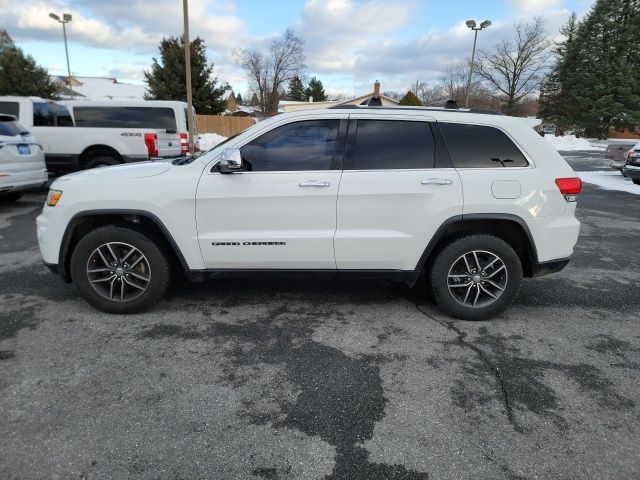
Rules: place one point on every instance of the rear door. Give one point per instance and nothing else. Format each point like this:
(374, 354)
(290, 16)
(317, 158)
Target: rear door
(397, 188)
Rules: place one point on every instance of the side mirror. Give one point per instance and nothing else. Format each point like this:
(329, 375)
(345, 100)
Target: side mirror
(231, 161)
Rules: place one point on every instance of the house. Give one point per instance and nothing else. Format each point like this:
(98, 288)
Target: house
(98, 88)
(230, 98)
(371, 98)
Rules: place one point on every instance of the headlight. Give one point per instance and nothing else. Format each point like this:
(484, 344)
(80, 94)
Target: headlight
(53, 197)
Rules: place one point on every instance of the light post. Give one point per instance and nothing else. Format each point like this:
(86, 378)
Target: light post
(472, 25)
(187, 66)
(66, 18)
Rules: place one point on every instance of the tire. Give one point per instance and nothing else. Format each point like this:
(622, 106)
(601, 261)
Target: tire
(103, 161)
(12, 196)
(146, 267)
(636, 181)
(450, 262)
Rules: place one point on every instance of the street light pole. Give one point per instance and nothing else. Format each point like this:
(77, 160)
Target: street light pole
(66, 18)
(187, 66)
(472, 25)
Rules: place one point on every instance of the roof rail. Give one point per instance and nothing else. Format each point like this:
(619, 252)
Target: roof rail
(427, 109)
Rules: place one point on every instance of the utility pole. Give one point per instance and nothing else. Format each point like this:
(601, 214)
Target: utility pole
(187, 66)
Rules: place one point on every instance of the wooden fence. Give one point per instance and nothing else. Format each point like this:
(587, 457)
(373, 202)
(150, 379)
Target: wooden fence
(223, 125)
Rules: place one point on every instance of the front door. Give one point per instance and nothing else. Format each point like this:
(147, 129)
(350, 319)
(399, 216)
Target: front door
(280, 212)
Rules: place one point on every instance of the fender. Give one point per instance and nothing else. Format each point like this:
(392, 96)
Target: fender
(475, 216)
(64, 245)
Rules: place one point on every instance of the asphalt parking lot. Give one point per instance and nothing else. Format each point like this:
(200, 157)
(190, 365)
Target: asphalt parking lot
(301, 380)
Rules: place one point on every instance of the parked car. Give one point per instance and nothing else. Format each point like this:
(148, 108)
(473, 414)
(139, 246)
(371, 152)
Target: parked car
(631, 168)
(616, 152)
(91, 145)
(162, 114)
(475, 200)
(22, 164)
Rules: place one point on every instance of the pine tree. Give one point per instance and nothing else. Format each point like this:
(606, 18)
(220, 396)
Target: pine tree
(167, 78)
(20, 75)
(239, 99)
(410, 99)
(557, 100)
(296, 90)
(601, 74)
(5, 40)
(315, 90)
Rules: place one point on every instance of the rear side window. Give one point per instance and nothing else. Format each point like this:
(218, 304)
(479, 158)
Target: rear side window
(125, 117)
(391, 144)
(43, 115)
(299, 146)
(50, 114)
(10, 108)
(478, 146)
(11, 128)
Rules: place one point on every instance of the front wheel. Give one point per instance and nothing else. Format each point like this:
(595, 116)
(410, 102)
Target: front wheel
(119, 270)
(476, 277)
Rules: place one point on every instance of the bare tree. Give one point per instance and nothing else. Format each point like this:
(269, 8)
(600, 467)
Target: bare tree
(516, 67)
(270, 71)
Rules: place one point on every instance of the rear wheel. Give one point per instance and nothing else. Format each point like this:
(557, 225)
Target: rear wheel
(102, 161)
(476, 277)
(119, 270)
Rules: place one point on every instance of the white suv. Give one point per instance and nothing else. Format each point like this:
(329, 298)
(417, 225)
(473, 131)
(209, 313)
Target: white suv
(477, 200)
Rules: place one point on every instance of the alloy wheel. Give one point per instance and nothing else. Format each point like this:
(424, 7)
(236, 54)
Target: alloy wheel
(477, 278)
(118, 271)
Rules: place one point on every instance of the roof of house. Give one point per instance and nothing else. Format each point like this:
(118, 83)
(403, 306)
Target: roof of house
(103, 88)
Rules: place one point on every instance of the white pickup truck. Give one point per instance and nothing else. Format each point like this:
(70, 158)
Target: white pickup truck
(111, 141)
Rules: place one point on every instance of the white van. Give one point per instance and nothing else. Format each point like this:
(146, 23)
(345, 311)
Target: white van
(107, 136)
(164, 114)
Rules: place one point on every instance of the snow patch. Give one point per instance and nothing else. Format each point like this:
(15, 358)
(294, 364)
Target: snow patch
(569, 143)
(210, 140)
(610, 180)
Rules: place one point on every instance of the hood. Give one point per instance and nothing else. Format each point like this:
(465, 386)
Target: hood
(124, 171)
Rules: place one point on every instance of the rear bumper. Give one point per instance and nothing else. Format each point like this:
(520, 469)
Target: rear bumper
(14, 181)
(545, 268)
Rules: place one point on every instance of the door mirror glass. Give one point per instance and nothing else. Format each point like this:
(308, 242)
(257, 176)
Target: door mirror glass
(231, 160)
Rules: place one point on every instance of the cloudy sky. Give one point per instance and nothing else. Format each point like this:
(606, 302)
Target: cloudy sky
(348, 43)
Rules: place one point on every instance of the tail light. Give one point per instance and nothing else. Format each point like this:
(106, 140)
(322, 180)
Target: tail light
(184, 144)
(569, 187)
(151, 141)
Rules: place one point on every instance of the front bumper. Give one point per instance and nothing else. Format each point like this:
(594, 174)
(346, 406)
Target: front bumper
(553, 266)
(632, 171)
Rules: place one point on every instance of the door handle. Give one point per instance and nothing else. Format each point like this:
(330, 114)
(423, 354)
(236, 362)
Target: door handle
(437, 181)
(314, 183)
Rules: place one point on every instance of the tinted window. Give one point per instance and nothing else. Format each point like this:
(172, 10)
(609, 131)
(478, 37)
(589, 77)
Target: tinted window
(388, 144)
(10, 108)
(124, 117)
(477, 146)
(50, 114)
(43, 115)
(11, 128)
(298, 146)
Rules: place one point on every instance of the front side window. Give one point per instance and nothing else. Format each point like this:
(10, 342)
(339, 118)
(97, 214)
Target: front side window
(307, 145)
(479, 146)
(391, 144)
(125, 117)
